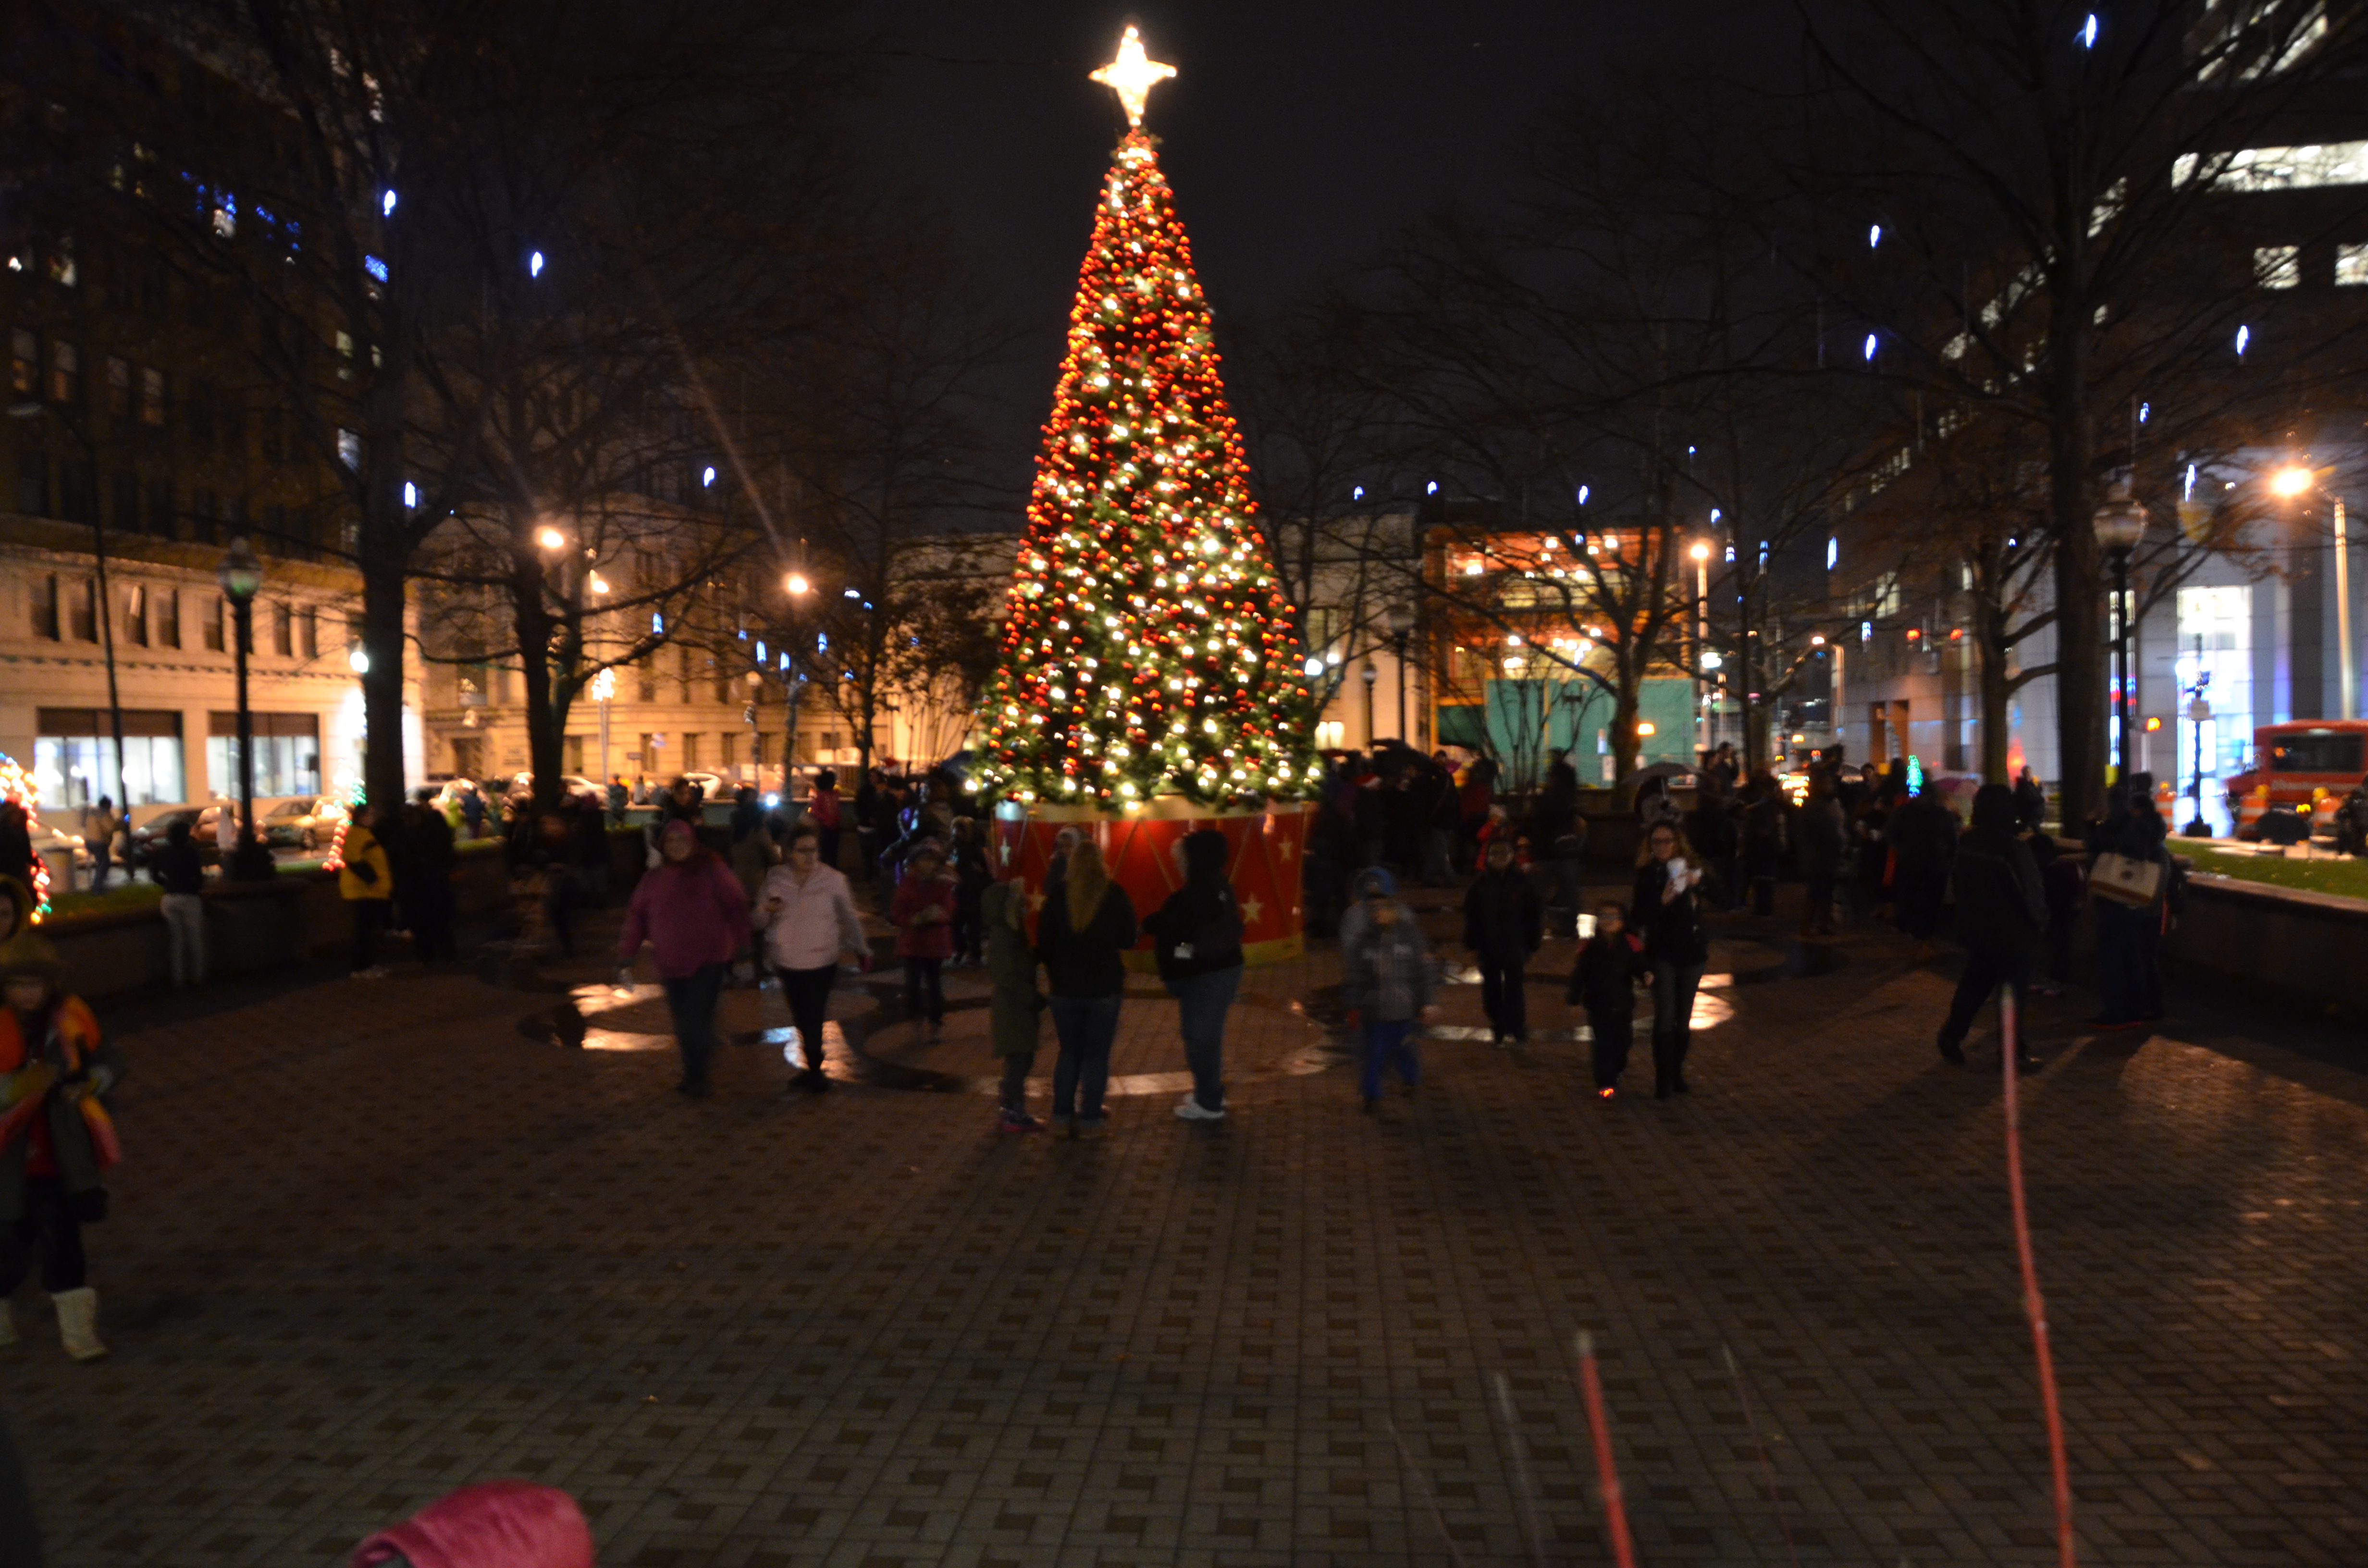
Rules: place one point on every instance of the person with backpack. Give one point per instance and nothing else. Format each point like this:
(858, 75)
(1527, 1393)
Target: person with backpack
(2001, 916)
(1197, 935)
(1083, 934)
(1603, 981)
(1504, 924)
(1386, 983)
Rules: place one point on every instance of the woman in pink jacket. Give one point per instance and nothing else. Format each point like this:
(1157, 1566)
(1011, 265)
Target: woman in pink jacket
(923, 913)
(691, 911)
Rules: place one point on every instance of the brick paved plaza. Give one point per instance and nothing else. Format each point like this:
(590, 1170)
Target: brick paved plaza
(377, 1240)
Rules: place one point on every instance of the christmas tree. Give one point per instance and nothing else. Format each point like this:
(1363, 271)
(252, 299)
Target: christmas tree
(1149, 651)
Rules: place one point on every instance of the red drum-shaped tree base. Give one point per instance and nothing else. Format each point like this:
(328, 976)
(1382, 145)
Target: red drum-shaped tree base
(1266, 845)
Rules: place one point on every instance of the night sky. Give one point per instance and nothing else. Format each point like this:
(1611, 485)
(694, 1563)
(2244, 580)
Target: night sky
(1299, 134)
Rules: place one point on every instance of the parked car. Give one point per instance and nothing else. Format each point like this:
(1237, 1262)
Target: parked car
(302, 823)
(149, 837)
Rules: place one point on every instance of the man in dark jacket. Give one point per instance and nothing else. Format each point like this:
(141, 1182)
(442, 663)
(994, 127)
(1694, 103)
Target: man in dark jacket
(1923, 834)
(1503, 924)
(2001, 915)
(1198, 938)
(426, 880)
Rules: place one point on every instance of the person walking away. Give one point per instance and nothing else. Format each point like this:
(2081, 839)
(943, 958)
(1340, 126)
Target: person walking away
(550, 853)
(823, 811)
(1014, 1008)
(2001, 916)
(1763, 842)
(1561, 838)
(180, 870)
(1197, 935)
(1504, 924)
(2122, 928)
(472, 811)
(98, 825)
(923, 912)
(1824, 850)
(690, 910)
(57, 1139)
(1923, 834)
(1666, 910)
(616, 796)
(427, 890)
(806, 912)
(1441, 814)
(1387, 985)
(367, 884)
(972, 878)
(2029, 802)
(2067, 884)
(752, 847)
(1603, 981)
(1082, 936)
(589, 832)
(2155, 833)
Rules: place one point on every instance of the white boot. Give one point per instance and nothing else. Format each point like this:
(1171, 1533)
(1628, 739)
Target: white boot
(7, 1324)
(78, 1324)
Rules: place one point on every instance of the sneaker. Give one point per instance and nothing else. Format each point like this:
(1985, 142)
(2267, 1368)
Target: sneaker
(1087, 1128)
(1192, 1111)
(1019, 1121)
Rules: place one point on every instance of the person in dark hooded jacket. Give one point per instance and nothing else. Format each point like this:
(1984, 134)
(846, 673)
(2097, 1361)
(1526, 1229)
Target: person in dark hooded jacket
(1197, 935)
(2001, 915)
(1503, 924)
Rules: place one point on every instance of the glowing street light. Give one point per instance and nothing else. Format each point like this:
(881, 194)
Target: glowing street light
(2290, 481)
(795, 583)
(551, 538)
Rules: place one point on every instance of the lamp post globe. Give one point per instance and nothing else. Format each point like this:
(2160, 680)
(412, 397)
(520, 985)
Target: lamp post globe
(241, 576)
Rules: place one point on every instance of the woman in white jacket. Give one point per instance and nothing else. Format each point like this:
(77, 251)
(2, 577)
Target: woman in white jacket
(810, 927)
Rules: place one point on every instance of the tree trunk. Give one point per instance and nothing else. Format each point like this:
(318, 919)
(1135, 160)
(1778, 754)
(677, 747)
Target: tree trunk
(1994, 704)
(1624, 691)
(382, 566)
(2080, 680)
(532, 620)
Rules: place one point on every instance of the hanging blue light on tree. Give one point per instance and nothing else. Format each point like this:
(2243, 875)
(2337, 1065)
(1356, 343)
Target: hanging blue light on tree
(2089, 31)
(1869, 348)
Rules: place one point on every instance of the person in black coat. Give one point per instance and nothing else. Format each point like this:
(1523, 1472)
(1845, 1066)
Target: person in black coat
(1666, 910)
(1197, 935)
(1603, 981)
(1503, 924)
(1923, 834)
(2001, 915)
(1082, 936)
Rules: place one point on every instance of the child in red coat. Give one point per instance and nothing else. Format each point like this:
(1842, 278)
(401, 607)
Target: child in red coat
(923, 912)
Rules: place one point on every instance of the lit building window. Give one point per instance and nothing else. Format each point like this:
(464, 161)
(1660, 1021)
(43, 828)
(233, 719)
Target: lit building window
(2350, 264)
(349, 448)
(2277, 168)
(2277, 266)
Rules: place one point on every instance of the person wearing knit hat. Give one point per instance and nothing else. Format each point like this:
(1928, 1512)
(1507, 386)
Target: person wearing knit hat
(56, 1137)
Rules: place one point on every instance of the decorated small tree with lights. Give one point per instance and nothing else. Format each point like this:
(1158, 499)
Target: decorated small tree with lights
(1149, 651)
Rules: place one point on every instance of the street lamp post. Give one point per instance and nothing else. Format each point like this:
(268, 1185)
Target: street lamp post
(604, 690)
(241, 574)
(1369, 675)
(2199, 708)
(2342, 613)
(2120, 524)
(1401, 624)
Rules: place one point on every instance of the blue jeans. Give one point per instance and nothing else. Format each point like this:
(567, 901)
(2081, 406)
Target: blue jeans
(692, 1001)
(1390, 1041)
(1085, 1027)
(1202, 1001)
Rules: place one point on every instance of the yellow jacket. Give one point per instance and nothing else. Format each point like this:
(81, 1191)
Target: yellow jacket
(362, 848)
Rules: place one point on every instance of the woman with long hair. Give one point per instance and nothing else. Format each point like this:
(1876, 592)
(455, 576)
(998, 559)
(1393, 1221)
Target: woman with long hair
(1666, 910)
(1082, 936)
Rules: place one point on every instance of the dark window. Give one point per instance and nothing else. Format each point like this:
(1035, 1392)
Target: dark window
(155, 290)
(77, 492)
(202, 412)
(275, 435)
(168, 618)
(25, 363)
(283, 631)
(85, 612)
(33, 482)
(213, 627)
(118, 388)
(125, 514)
(135, 615)
(2324, 752)
(152, 397)
(205, 512)
(311, 633)
(45, 606)
(160, 508)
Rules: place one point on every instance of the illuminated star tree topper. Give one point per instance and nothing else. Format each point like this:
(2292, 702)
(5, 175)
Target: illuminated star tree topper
(1149, 651)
